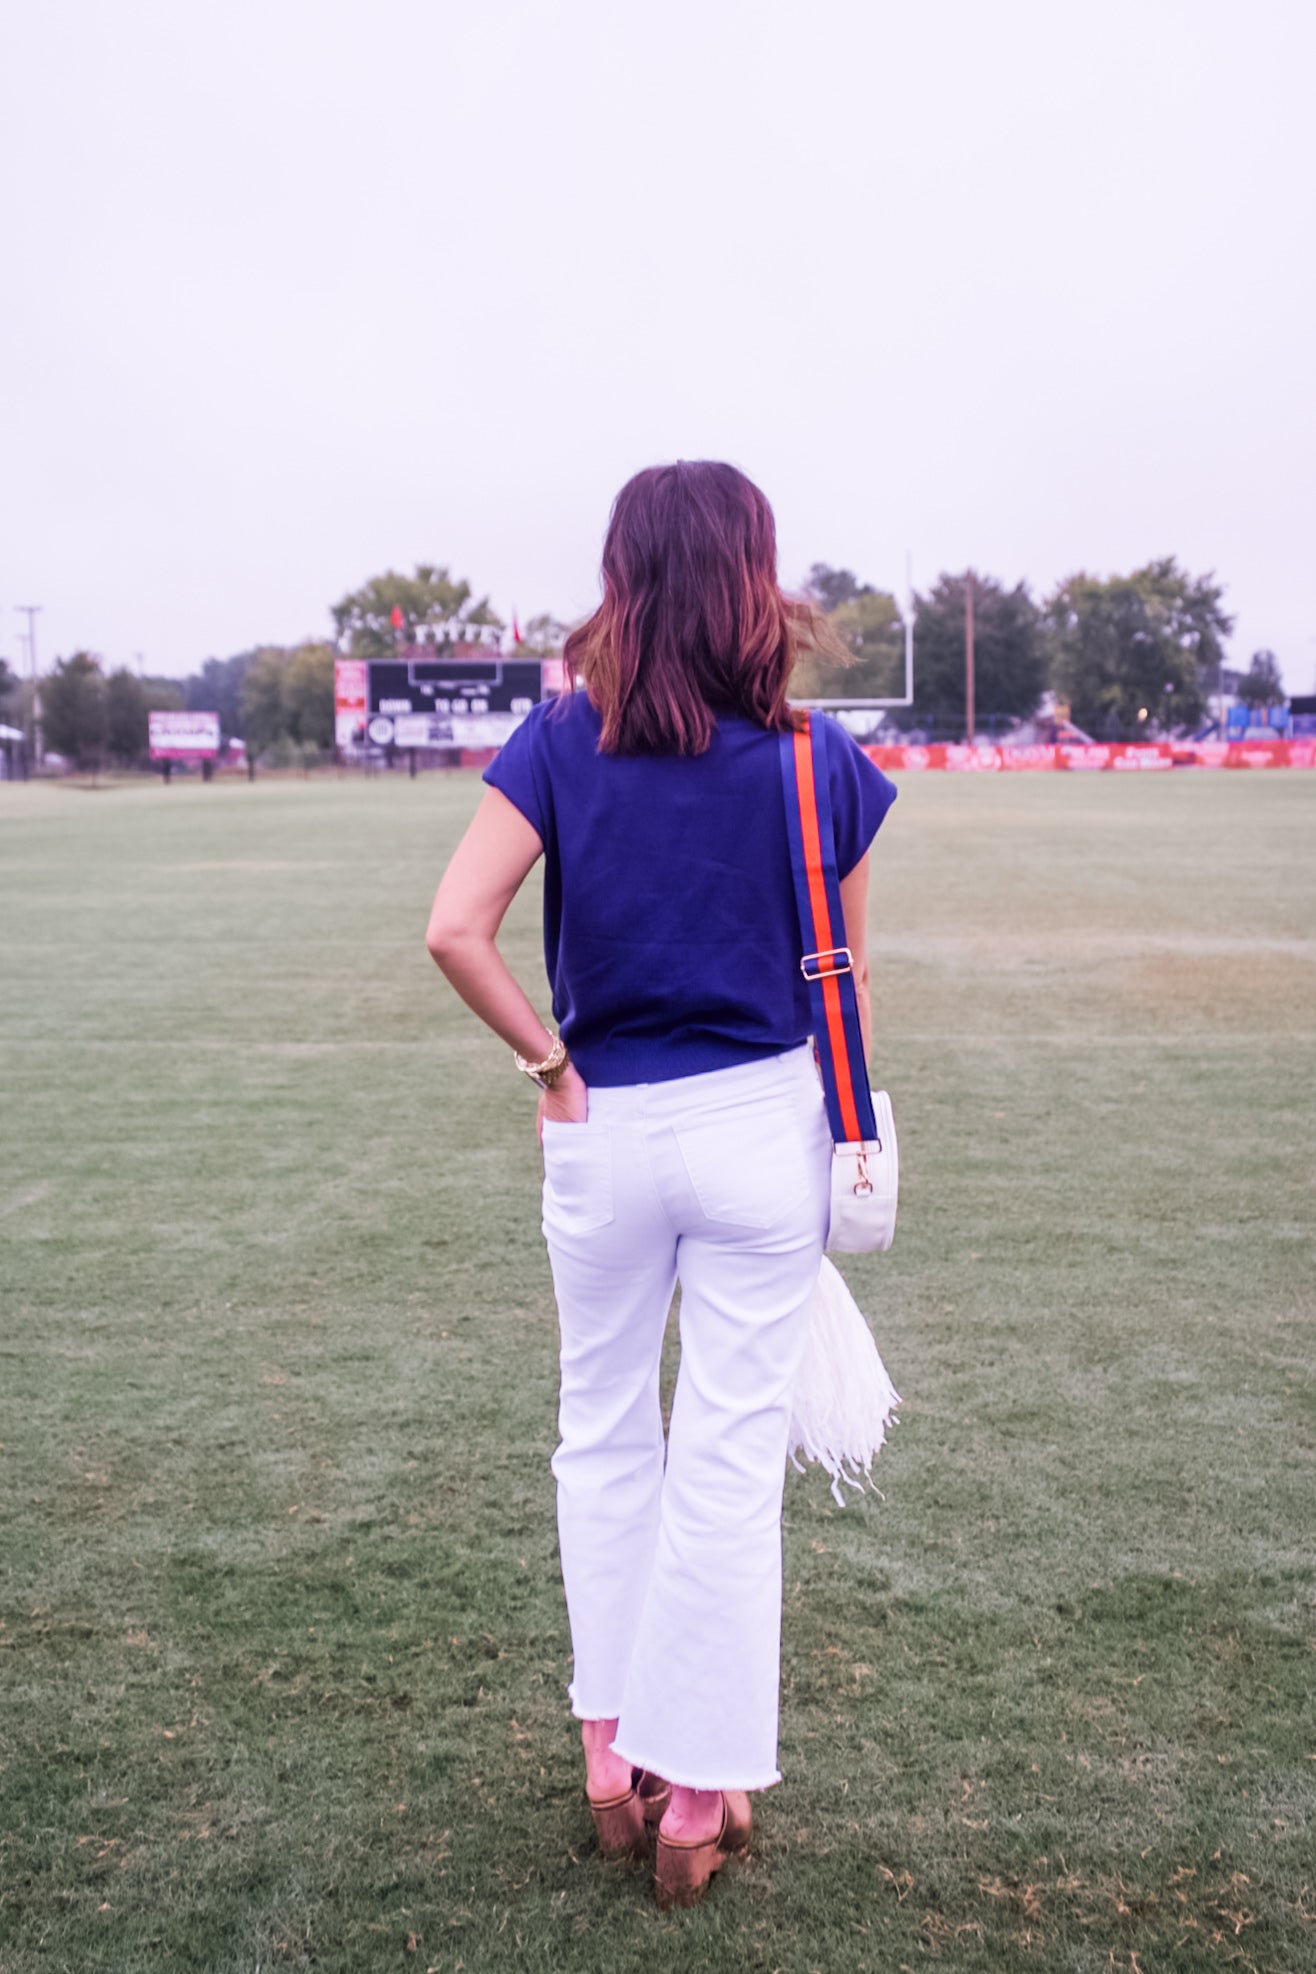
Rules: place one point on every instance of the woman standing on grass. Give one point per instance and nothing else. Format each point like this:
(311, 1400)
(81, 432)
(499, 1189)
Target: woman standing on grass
(684, 1134)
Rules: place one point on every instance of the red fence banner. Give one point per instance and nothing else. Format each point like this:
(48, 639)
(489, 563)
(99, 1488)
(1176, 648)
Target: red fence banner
(1142, 756)
(912, 759)
(1260, 754)
(1023, 758)
(1098, 757)
(972, 760)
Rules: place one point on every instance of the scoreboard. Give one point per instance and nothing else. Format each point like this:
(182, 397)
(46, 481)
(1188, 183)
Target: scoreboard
(456, 701)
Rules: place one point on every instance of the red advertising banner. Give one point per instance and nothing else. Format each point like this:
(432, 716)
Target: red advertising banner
(1098, 757)
(909, 758)
(1260, 754)
(963, 760)
(1153, 755)
(1014, 759)
(351, 681)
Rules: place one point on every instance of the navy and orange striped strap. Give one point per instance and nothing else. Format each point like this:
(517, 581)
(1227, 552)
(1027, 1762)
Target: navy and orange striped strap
(826, 960)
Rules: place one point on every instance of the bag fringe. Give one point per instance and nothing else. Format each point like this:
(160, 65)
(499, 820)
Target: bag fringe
(843, 1402)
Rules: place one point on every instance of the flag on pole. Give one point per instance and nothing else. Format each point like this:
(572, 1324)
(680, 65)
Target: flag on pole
(516, 630)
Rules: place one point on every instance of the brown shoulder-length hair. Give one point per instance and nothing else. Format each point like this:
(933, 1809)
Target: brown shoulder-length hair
(692, 622)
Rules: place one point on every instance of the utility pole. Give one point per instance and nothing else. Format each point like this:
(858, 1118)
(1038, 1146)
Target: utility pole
(32, 611)
(968, 656)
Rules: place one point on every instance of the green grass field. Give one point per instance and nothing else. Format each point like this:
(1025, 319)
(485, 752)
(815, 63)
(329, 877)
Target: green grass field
(283, 1653)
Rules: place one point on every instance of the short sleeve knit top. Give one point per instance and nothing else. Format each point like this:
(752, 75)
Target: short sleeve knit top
(671, 936)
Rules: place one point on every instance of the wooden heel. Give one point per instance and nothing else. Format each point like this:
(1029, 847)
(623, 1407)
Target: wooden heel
(621, 1827)
(683, 1871)
(655, 1795)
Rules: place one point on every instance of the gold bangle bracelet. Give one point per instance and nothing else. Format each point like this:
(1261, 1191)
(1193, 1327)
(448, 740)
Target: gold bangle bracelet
(547, 1072)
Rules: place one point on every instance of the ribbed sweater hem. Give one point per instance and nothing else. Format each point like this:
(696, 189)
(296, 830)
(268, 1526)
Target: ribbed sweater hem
(616, 1065)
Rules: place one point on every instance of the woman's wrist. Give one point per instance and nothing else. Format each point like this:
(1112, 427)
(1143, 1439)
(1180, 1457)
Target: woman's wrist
(547, 1068)
(567, 1102)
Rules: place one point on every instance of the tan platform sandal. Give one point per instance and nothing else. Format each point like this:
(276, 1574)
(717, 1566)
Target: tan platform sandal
(684, 1868)
(655, 1795)
(626, 1823)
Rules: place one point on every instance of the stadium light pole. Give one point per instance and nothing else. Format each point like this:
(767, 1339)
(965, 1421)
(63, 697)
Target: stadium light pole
(32, 611)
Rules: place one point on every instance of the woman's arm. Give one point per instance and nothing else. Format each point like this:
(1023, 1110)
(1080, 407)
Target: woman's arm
(488, 868)
(854, 909)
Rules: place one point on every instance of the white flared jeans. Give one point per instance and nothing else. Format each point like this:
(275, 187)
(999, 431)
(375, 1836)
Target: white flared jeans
(672, 1566)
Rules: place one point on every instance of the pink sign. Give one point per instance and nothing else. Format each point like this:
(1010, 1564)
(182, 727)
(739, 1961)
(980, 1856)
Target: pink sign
(350, 688)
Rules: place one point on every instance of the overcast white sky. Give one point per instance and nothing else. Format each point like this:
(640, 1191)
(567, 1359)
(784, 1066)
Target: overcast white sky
(293, 291)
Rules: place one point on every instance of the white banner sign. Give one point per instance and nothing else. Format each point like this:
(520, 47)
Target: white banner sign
(183, 736)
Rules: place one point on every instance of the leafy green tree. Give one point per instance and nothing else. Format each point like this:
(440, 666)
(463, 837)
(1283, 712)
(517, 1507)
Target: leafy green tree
(73, 709)
(217, 688)
(8, 681)
(429, 600)
(288, 697)
(543, 637)
(1261, 684)
(164, 695)
(308, 695)
(1009, 656)
(1136, 650)
(830, 588)
(868, 624)
(126, 727)
(264, 721)
(128, 703)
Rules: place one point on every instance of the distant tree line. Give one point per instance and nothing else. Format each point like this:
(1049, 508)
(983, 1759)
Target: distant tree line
(279, 701)
(1127, 654)
(96, 718)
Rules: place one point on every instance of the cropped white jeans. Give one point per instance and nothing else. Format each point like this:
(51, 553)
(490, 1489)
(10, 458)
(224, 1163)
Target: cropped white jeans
(673, 1568)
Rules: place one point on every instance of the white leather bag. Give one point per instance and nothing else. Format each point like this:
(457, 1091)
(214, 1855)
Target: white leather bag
(865, 1185)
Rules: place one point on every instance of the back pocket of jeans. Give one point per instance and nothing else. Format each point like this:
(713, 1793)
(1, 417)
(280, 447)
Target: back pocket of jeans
(750, 1174)
(577, 1177)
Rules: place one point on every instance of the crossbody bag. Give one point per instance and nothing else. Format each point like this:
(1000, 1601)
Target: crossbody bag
(865, 1161)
